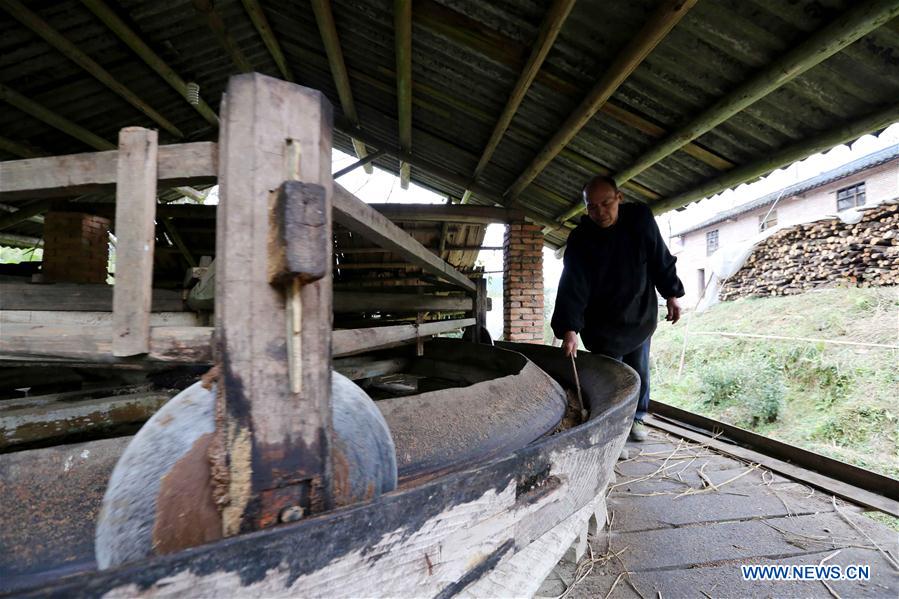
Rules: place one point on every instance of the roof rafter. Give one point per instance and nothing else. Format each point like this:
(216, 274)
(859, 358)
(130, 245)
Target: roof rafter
(260, 22)
(134, 41)
(402, 26)
(328, 29)
(663, 19)
(36, 24)
(862, 18)
(546, 37)
(220, 30)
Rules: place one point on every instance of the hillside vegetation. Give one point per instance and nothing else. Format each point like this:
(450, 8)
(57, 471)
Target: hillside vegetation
(838, 400)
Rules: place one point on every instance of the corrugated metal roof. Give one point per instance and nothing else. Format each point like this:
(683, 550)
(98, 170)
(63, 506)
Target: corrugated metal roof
(467, 55)
(841, 172)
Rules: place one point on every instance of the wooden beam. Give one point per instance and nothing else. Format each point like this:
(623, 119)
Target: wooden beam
(260, 22)
(369, 158)
(46, 115)
(275, 432)
(818, 143)
(17, 148)
(71, 51)
(153, 60)
(861, 19)
(135, 229)
(226, 40)
(402, 27)
(20, 241)
(177, 163)
(328, 30)
(449, 213)
(364, 367)
(348, 342)
(24, 213)
(447, 248)
(546, 37)
(663, 19)
(350, 301)
(178, 242)
(76, 297)
(359, 217)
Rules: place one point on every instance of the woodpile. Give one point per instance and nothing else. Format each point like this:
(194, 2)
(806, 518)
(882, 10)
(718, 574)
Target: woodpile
(824, 253)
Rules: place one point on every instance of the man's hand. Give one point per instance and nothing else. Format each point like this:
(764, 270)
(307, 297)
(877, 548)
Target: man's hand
(569, 344)
(673, 310)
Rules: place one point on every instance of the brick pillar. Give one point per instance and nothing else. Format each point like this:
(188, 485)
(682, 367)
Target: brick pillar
(523, 283)
(76, 247)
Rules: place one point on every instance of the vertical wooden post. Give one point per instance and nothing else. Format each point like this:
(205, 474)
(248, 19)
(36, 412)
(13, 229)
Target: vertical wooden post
(135, 229)
(277, 440)
(480, 313)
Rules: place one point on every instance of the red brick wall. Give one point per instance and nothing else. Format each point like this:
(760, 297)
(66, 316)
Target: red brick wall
(523, 283)
(76, 247)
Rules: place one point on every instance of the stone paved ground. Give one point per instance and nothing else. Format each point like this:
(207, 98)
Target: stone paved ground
(673, 534)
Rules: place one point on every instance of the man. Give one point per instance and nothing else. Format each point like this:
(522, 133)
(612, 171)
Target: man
(615, 261)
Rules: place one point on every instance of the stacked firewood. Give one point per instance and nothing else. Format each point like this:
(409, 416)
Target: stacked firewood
(824, 253)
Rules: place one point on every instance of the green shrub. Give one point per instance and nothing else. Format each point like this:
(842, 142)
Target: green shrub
(752, 385)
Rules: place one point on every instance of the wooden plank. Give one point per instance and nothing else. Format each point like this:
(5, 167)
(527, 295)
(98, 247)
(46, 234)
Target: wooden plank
(667, 14)
(91, 318)
(328, 30)
(354, 341)
(76, 297)
(153, 60)
(94, 344)
(71, 51)
(452, 213)
(859, 20)
(20, 241)
(135, 229)
(359, 217)
(271, 131)
(177, 164)
(347, 301)
(260, 22)
(830, 485)
(365, 367)
(402, 31)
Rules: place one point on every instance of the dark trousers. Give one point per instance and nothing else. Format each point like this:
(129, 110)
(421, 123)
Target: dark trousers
(639, 361)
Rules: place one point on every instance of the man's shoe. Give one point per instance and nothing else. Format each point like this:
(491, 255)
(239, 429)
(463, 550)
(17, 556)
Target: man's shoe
(638, 431)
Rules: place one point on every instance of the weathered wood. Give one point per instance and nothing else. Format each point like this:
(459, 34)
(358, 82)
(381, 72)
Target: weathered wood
(546, 37)
(177, 164)
(481, 306)
(365, 367)
(859, 20)
(24, 213)
(359, 217)
(366, 162)
(71, 51)
(91, 318)
(328, 30)
(657, 26)
(178, 242)
(135, 229)
(76, 297)
(227, 41)
(17, 148)
(347, 301)
(271, 131)
(40, 420)
(354, 341)
(20, 241)
(94, 344)
(402, 31)
(153, 60)
(454, 213)
(260, 22)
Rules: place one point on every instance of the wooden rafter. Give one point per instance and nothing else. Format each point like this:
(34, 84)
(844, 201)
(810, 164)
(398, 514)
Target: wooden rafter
(402, 22)
(260, 22)
(71, 51)
(549, 30)
(17, 148)
(858, 21)
(369, 158)
(153, 60)
(220, 30)
(663, 19)
(328, 29)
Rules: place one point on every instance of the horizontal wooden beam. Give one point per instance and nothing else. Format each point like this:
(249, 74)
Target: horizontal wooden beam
(447, 248)
(818, 143)
(76, 297)
(348, 342)
(75, 173)
(91, 318)
(26, 212)
(348, 301)
(20, 241)
(667, 14)
(71, 51)
(451, 213)
(357, 216)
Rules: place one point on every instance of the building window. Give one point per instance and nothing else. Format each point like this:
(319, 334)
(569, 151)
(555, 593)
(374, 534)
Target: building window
(700, 278)
(850, 197)
(711, 242)
(766, 221)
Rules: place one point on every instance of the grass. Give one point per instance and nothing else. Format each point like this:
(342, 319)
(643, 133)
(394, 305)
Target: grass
(837, 400)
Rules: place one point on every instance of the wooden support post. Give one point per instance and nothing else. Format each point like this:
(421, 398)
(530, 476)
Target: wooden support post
(402, 20)
(135, 229)
(277, 441)
(480, 311)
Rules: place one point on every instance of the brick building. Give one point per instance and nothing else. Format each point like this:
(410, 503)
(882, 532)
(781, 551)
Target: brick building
(866, 180)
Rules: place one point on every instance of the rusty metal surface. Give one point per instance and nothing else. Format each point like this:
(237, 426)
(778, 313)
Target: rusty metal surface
(448, 429)
(50, 501)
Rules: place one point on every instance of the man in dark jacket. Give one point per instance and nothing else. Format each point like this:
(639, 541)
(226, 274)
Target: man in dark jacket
(615, 261)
